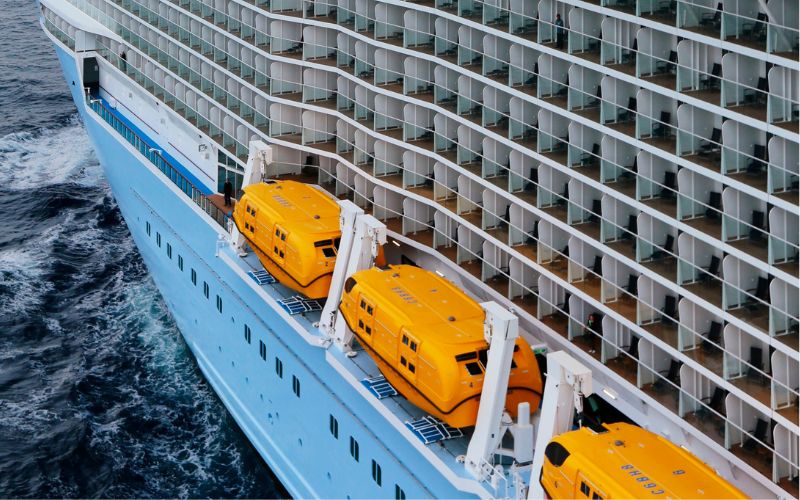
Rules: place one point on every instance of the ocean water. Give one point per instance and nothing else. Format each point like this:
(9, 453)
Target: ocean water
(99, 395)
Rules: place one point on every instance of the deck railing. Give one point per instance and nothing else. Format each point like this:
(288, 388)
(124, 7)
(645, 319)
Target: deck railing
(150, 150)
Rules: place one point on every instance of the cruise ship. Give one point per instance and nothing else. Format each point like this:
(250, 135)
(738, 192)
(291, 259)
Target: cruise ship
(619, 175)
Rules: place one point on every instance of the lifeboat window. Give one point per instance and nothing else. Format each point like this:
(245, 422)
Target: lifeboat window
(369, 310)
(323, 243)
(595, 496)
(556, 453)
(585, 489)
(246, 225)
(275, 249)
(363, 304)
(412, 368)
(277, 232)
(360, 324)
(368, 330)
(483, 355)
(405, 340)
(283, 236)
(252, 229)
(336, 243)
(349, 284)
(413, 346)
(403, 361)
(280, 254)
(328, 252)
(466, 356)
(474, 368)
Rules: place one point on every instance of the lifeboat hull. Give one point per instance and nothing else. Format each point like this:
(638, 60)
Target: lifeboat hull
(317, 289)
(463, 414)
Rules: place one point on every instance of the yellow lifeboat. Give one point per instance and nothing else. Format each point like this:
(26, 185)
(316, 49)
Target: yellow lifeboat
(426, 336)
(626, 461)
(294, 229)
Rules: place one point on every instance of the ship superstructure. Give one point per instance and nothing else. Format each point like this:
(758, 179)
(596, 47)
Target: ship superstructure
(621, 174)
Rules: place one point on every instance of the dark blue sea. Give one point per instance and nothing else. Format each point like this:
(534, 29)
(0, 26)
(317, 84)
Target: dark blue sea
(99, 395)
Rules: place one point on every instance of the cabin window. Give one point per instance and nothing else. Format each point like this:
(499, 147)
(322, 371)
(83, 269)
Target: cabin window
(474, 368)
(205, 289)
(376, 472)
(262, 350)
(296, 386)
(279, 367)
(194, 277)
(247, 334)
(399, 494)
(158, 239)
(584, 489)
(180, 262)
(147, 228)
(219, 303)
(334, 426)
(556, 453)
(349, 284)
(354, 448)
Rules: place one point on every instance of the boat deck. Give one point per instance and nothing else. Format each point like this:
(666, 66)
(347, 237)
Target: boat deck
(359, 367)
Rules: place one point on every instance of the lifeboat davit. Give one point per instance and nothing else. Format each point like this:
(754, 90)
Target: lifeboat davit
(426, 336)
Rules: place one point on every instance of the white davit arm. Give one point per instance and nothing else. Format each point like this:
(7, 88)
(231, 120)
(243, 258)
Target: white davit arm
(568, 381)
(362, 237)
(258, 160)
(501, 329)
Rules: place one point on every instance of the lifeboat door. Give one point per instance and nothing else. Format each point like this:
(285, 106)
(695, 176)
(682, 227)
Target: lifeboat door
(279, 245)
(408, 355)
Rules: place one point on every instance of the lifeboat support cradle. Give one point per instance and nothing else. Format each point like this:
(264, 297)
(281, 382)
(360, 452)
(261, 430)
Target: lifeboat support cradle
(568, 382)
(501, 330)
(258, 161)
(362, 237)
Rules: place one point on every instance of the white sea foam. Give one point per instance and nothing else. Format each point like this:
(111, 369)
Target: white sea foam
(30, 160)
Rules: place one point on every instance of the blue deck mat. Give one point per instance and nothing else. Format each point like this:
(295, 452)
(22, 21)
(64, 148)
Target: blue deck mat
(379, 387)
(299, 305)
(431, 430)
(262, 277)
